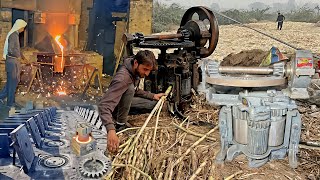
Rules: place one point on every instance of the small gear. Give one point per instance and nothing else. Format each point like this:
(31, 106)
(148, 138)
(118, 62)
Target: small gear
(94, 168)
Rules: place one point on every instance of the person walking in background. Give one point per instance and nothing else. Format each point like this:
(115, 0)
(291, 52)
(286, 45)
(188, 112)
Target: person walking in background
(12, 54)
(280, 20)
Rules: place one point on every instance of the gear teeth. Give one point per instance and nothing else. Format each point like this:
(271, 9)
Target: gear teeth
(99, 173)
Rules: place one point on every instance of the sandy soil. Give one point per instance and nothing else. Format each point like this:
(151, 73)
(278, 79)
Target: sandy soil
(233, 38)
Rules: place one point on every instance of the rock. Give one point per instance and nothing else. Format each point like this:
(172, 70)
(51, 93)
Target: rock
(317, 24)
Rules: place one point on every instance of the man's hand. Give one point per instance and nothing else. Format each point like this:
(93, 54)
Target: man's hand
(158, 96)
(113, 141)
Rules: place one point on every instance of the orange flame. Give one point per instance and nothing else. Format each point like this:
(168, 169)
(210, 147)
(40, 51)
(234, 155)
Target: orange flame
(57, 38)
(62, 93)
(83, 142)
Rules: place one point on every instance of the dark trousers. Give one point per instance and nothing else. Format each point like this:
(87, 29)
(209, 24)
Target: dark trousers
(13, 78)
(130, 103)
(280, 23)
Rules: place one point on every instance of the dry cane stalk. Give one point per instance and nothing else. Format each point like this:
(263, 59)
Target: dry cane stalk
(169, 165)
(151, 114)
(180, 166)
(161, 169)
(193, 133)
(233, 175)
(192, 146)
(194, 161)
(156, 126)
(194, 175)
(143, 151)
(129, 165)
(150, 154)
(136, 128)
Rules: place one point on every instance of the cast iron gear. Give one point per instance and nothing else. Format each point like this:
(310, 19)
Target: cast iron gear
(94, 168)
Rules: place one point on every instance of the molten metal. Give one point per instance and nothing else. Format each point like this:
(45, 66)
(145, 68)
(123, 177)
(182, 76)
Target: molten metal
(59, 67)
(83, 142)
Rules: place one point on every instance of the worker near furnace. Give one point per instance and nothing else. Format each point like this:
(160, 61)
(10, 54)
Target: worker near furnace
(123, 94)
(12, 54)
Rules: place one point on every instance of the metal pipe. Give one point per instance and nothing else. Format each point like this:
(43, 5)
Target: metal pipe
(245, 70)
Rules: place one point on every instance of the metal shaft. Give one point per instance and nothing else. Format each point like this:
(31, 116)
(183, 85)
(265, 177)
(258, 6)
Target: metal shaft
(245, 70)
(163, 36)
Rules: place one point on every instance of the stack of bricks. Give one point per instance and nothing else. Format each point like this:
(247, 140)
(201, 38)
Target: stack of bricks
(5, 26)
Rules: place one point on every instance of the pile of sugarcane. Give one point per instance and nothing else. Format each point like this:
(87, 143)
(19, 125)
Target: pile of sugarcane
(164, 152)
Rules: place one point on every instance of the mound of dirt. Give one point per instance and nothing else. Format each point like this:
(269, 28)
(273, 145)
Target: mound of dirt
(245, 58)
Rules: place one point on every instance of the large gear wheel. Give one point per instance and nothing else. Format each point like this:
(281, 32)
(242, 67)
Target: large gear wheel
(94, 168)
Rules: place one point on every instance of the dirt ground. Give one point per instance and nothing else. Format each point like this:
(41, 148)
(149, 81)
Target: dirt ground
(233, 39)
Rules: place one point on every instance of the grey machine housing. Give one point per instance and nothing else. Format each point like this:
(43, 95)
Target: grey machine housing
(261, 124)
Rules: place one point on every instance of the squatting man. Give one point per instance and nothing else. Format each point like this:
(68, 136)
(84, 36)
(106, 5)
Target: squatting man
(123, 94)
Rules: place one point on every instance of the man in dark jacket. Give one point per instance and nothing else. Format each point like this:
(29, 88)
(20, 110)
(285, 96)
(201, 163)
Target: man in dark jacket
(123, 93)
(280, 20)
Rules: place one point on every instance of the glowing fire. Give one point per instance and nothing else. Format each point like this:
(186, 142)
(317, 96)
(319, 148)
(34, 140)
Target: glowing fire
(61, 48)
(61, 91)
(83, 142)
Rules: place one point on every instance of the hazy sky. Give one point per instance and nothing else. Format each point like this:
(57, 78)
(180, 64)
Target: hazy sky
(232, 3)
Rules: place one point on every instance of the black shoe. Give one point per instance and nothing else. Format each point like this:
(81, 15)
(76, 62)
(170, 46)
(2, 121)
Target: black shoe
(120, 127)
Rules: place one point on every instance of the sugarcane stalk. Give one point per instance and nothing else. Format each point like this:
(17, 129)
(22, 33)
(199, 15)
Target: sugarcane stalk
(193, 133)
(136, 128)
(194, 161)
(129, 165)
(151, 114)
(195, 174)
(169, 165)
(161, 169)
(233, 175)
(192, 146)
(156, 126)
(180, 165)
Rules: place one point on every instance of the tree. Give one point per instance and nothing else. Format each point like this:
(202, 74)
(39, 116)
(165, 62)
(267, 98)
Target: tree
(258, 5)
(318, 9)
(291, 5)
(215, 7)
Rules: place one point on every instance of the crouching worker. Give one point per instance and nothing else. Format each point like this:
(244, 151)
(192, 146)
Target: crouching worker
(123, 94)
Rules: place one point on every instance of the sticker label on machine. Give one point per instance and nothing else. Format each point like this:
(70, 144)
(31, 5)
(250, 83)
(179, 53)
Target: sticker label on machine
(304, 62)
